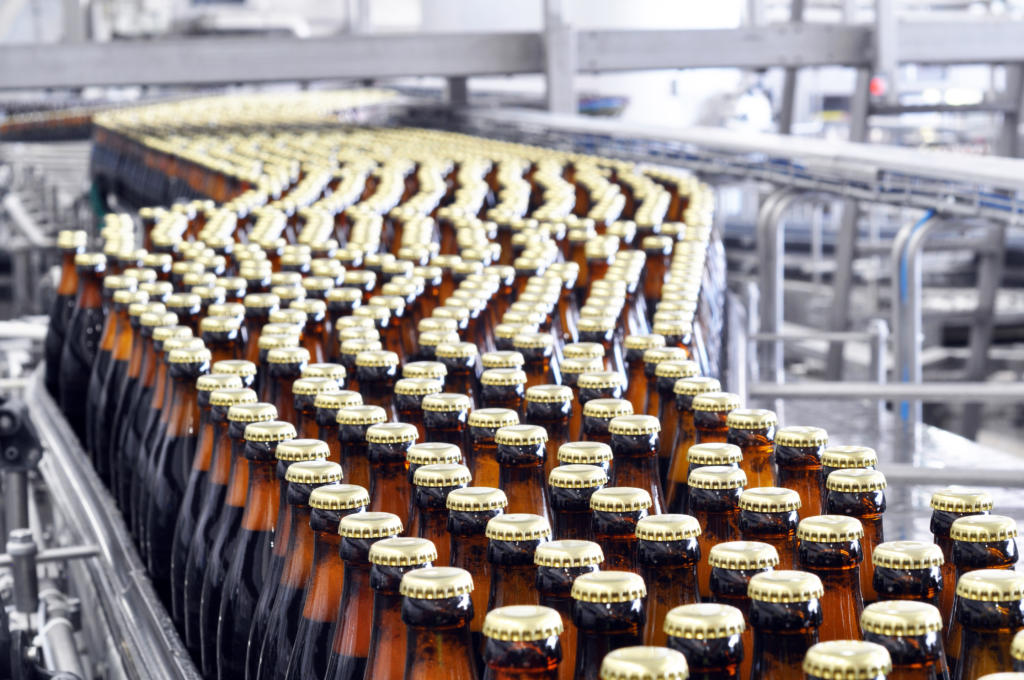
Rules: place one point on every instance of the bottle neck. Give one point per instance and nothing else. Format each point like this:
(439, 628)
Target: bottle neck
(780, 654)
(262, 497)
(326, 579)
(299, 553)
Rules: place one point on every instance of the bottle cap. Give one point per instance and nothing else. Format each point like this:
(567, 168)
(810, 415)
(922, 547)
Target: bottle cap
(769, 499)
(441, 474)
(676, 368)
(418, 386)
(72, 238)
(522, 623)
(502, 359)
(634, 425)
(456, 350)
(261, 301)
(608, 587)
(585, 453)
(518, 526)
(568, 553)
(751, 419)
(620, 499)
(667, 527)
(907, 555)
(899, 618)
(339, 497)
(252, 413)
(532, 340)
(431, 453)
(644, 663)
(600, 380)
(656, 355)
(233, 396)
(855, 480)
(520, 435)
(503, 376)
(714, 453)
(829, 529)
(314, 386)
(844, 457)
(549, 394)
(376, 358)
(90, 260)
(337, 400)
(584, 350)
(596, 324)
(433, 370)
(269, 431)
(476, 499)
(801, 435)
(436, 583)
(217, 381)
(961, 499)
(306, 471)
(785, 586)
(272, 342)
(194, 355)
(716, 402)
(239, 367)
(370, 525)
(580, 365)
(391, 433)
(493, 418)
(324, 370)
(577, 477)
(446, 402)
(402, 552)
(847, 660)
(302, 449)
(1017, 647)
(361, 415)
(718, 477)
(704, 621)
(607, 408)
(691, 387)
(670, 327)
(743, 555)
(644, 342)
(288, 355)
(983, 528)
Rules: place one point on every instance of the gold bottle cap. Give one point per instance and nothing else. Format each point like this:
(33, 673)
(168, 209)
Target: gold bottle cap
(441, 474)
(801, 435)
(295, 450)
(577, 477)
(191, 355)
(580, 365)
(847, 660)
(217, 381)
(743, 555)
(667, 527)
(433, 370)
(127, 296)
(549, 394)
(704, 621)
(587, 453)
(288, 355)
(361, 415)
(343, 294)
(583, 350)
(714, 453)
(718, 477)
(418, 386)
(183, 301)
(518, 526)
(644, 663)
(90, 260)
(899, 618)
(446, 402)
(502, 359)
(376, 358)
(1017, 647)
(72, 238)
(456, 350)
(672, 327)
(314, 386)
(430, 453)
(311, 471)
(171, 332)
(231, 397)
(691, 387)
(716, 402)
(357, 346)
(829, 529)
(785, 586)
(656, 355)
(151, 315)
(533, 340)
(568, 553)
(676, 368)
(961, 499)
(607, 409)
(620, 499)
(233, 310)
(644, 342)
(391, 433)
(402, 552)
(634, 425)
(600, 380)
(476, 499)
(503, 376)
(272, 329)
(983, 528)
(370, 525)
(437, 338)
(769, 499)
(261, 301)
(855, 480)
(507, 330)
(522, 623)
(751, 419)
(436, 583)
(844, 457)
(339, 497)
(171, 344)
(520, 435)
(337, 400)
(324, 370)
(269, 431)
(438, 325)
(608, 587)
(493, 418)
(115, 283)
(355, 322)
(907, 555)
(272, 342)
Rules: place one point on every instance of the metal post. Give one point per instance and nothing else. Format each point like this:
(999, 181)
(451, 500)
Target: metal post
(1008, 143)
(560, 54)
(887, 46)
(458, 92)
(880, 330)
(16, 499)
(789, 83)
(21, 546)
(57, 633)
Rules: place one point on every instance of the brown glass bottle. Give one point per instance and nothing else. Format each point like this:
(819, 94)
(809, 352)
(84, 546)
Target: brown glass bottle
(571, 487)
(798, 464)
(616, 511)
(785, 612)
(81, 339)
(118, 293)
(586, 453)
(597, 416)
(483, 451)
(1017, 651)
(520, 455)
(522, 641)
(512, 540)
(609, 614)
(409, 395)
(246, 370)
(503, 388)
(912, 633)
(222, 336)
(284, 367)
(391, 559)
(351, 348)
(861, 494)
(908, 570)
(353, 421)
(948, 505)
(597, 385)
(684, 391)
(710, 414)
(558, 564)
(847, 659)
(437, 611)
(653, 357)
(70, 243)
(770, 515)
(844, 458)
(830, 548)
(635, 346)
(550, 407)
(667, 555)
(667, 374)
(753, 430)
(710, 637)
(325, 413)
(376, 372)
(431, 485)
(314, 330)
(990, 612)
(704, 455)
(305, 391)
(635, 445)
(714, 500)
(387, 444)
(446, 418)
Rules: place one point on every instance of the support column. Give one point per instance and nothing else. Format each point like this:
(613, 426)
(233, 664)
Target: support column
(786, 113)
(560, 55)
(458, 92)
(1008, 143)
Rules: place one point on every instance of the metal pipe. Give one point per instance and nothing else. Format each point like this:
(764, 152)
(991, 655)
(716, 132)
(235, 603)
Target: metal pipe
(879, 360)
(57, 554)
(971, 476)
(21, 546)
(57, 633)
(840, 336)
(950, 392)
(16, 499)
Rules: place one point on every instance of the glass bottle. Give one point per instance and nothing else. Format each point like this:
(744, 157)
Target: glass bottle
(558, 565)
(71, 243)
(710, 414)
(350, 348)
(353, 422)
(351, 638)
(431, 453)
(550, 407)
(704, 455)
(325, 413)
(431, 486)
(387, 444)
(617, 509)
(597, 385)
(653, 357)
(246, 370)
(304, 394)
(222, 336)
(520, 456)
(710, 636)
(409, 395)
(376, 372)
(503, 388)
(437, 610)
(82, 339)
(912, 633)
(118, 293)
(314, 330)
(446, 418)
(635, 346)
(609, 614)
(483, 451)
(522, 641)
(284, 367)
(714, 500)
(798, 464)
(667, 554)
(586, 453)
(598, 415)
(684, 390)
(537, 348)
(1017, 651)
(860, 494)
(830, 547)
(844, 458)
(571, 488)
(770, 515)
(635, 444)
(512, 540)
(571, 369)
(948, 505)
(908, 570)
(785, 613)
(268, 343)
(847, 658)
(390, 560)
(666, 374)
(753, 430)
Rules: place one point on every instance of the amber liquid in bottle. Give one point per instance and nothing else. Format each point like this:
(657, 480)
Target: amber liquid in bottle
(431, 522)
(60, 314)
(602, 628)
(941, 521)
(868, 507)
(513, 573)
(838, 566)
(777, 529)
(717, 511)
(538, 659)
(390, 490)
(729, 586)
(757, 446)
(783, 632)
(386, 657)
(554, 588)
(553, 417)
(636, 464)
(914, 657)
(799, 468)
(712, 658)
(987, 633)
(114, 314)
(105, 399)
(521, 477)
(573, 518)
(670, 570)
(616, 534)
(469, 551)
(81, 344)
